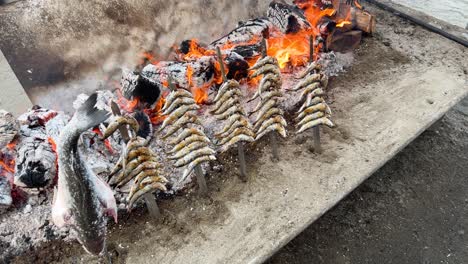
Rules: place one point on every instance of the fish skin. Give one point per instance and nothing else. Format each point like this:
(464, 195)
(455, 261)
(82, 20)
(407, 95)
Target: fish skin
(224, 97)
(81, 199)
(179, 93)
(194, 163)
(270, 113)
(307, 81)
(236, 132)
(119, 121)
(225, 106)
(269, 68)
(182, 110)
(178, 102)
(188, 118)
(230, 84)
(187, 149)
(274, 127)
(234, 140)
(310, 102)
(311, 67)
(206, 151)
(229, 128)
(148, 188)
(314, 123)
(310, 117)
(185, 134)
(275, 119)
(264, 61)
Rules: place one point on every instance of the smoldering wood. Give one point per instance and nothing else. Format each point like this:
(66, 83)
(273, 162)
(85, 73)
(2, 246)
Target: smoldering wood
(344, 41)
(35, 163)
(5, 194)
(135, 85)
(245, 32)
(288, 18)
(9, 128)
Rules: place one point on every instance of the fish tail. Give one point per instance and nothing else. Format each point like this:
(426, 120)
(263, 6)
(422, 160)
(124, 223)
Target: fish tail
(89, 115)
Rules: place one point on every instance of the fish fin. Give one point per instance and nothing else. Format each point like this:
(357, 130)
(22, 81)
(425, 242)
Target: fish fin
(89, 115)
(61, 213)
(105, 196)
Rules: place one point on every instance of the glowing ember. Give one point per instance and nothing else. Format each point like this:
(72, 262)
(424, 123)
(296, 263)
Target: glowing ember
(106, 141)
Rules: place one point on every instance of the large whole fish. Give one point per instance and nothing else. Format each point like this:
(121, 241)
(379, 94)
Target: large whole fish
(82, 199)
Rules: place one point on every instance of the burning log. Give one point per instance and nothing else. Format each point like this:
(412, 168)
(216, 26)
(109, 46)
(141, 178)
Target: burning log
(36, 165)
(9, 128)
(288, 18)
(250, 30)
(344, 41)
(135, 85)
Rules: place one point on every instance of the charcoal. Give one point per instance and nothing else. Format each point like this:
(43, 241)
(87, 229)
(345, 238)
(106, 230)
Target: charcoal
(245, 32)
(135, 85)
(288, 18)
(248, 51)
(238, 68)
(9, 128)
(146, 127)
(5, 194)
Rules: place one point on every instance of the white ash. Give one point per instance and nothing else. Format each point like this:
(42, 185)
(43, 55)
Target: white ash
(103, 100)
(9, 128)
(55, 125)
(5, 194)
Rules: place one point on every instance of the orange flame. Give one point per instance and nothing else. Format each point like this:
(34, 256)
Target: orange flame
(106, 141)
(155, 114)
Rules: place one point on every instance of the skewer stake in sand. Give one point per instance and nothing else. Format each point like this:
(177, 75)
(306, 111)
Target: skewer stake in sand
(240, 146)
(201, 179)
(150, 201)
(273, 140)
(315, 130)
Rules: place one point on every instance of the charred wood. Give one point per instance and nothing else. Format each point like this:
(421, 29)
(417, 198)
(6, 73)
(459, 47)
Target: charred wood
(245, 32)
(5, 194)
(9, 128)
(288, 18)
(135, 85)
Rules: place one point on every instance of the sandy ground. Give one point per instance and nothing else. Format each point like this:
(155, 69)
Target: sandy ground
(413, 210)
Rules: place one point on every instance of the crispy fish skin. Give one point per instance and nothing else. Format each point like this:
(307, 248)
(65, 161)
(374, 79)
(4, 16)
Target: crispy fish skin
(276, 119)
(139, 159)
(314, 123)
(194, 163)
(243, 122)
(141, 151)
(179, 93)
(120, 121)
(264, 106)
(270, 113)
(314, 66)
(232, 101)
(231, 111)
(267, 107)
(313, 90)
(307, 81)
(311, 117)
(264, 61)
(322, 107)
(130, 167)
(206, 151)
(177, 114)
(189, 140)
(269, 68)
(234, 140)
(154, 176)
(238, 131)
(185, 134)
(229, 94)
(274, 127)
(178, 102)
(186, 150)
(148, 188)
(143, 166)
(230, 122)
(310, 102)
(188, 118)
(230, 84)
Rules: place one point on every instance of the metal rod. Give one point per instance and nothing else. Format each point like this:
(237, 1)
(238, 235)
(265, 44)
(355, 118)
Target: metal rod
(221, 63)
(317, 144)
(106, 255)
(243, 165)
(274, 145)
(264, 48)
(201, 179)
(149, 200)
(311, 48)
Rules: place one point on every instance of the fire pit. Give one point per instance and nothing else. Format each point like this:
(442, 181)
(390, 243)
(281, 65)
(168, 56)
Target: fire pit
(231, 211)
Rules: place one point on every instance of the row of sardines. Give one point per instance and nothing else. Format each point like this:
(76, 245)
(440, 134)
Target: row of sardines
(190, 146)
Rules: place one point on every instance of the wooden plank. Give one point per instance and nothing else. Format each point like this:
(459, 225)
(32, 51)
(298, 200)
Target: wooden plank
(13, 99)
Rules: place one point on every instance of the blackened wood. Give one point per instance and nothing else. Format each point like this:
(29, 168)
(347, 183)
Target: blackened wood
(9, 128)
(245, 32)
(288, 18)
(134, 85)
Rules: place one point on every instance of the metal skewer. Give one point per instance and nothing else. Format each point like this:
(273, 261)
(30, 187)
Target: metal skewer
(315, 130)
(273, 140)
(240, 145)
(150, 201)
(201, 179)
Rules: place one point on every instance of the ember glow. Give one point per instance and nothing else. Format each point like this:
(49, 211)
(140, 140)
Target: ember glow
(106, 141)
(7, 166)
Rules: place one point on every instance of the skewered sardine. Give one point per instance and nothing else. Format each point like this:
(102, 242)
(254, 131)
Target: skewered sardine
(141, 151)
(177, 114)
(322, 107)
(267, 115)
(188, 118)
(314, 66)
(227, 95)
(194, 163)
(243, 122)
(178, 102)
(174, 95)
(186, 133)
(136, 171)
(274, 127)
(187, 141)
(121, 121)
(236, 132)
(276, 119)
(152, 175)
(186, 150)
(311, 117)
(269, 68)
(206, 151)
(260, 104)
(310, 88)
(272, 103)
(231, 111)
(137, 194)
(310, 102)
(307, 81)
(264, 61)
(131, 166)
(314, 123)
(226, 105)
(225, 87)
(234, 140)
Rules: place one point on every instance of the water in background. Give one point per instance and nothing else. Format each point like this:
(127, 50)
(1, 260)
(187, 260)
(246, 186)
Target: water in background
(452, 11)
